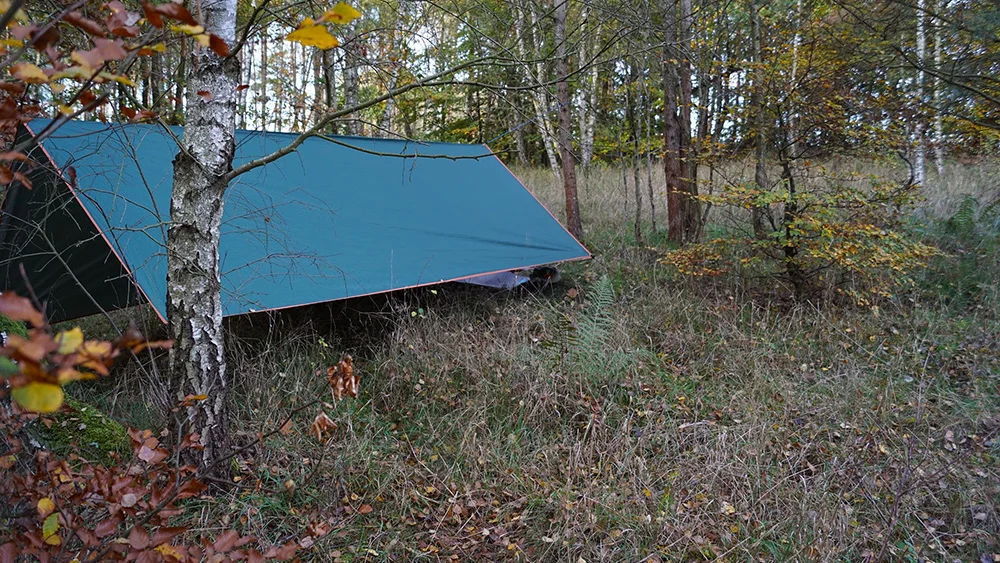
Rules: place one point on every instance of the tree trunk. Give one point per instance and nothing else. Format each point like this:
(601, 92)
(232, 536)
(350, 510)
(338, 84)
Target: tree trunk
(588, 99)
(263, 80)
(672, 167)
(573, 222)
(538, 93)
(690, 207)
(757, 103)
(197, 364)
(631, 121)
(330, 85)
(938, 58)
(920, 145)
(352, 80)
(178, 116)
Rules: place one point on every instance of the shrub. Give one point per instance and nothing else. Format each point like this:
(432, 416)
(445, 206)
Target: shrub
(848, 234)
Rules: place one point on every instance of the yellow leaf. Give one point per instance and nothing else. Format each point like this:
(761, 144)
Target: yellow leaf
(11, 42)
(65, 110)
(168, 550)
(188, 29)
(56, 87)
(117, 78)
(157, 48)
(313, 36)
(727, 508)
(66, 375)
(39, 397)
(78, 72)
(29, 73)
(45, 507)
(50, 528)
(341, 13)
(69, 340)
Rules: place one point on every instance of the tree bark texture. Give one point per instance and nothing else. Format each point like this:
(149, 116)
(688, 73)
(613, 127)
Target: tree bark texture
(197, 364)
(920, 127)
(573, 222)
(757, 104)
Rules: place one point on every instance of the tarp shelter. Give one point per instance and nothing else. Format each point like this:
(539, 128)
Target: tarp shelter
(340, 217)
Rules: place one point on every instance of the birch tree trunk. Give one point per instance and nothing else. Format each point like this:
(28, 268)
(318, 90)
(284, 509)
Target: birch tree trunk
(352, 80)
(197, 364)
(938, 58)
(920, 146)
(588, 99)
(759, 110)
(690, 208)
(573, 222)
(538, 95)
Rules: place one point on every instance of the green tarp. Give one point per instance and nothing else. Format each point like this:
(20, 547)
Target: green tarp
(340, 217)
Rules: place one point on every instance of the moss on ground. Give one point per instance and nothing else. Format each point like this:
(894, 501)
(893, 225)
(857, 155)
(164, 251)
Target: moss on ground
(96, 436)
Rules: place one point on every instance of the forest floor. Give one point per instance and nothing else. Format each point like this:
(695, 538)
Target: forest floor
(630, 415)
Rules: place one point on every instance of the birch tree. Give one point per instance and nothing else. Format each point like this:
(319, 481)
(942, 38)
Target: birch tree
(197, 364)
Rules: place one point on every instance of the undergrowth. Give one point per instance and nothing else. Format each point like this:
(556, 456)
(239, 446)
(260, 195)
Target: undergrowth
(633, 415)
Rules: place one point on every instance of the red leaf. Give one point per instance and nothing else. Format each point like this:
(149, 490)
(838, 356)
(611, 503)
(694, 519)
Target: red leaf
(138, 538)
(217, 44)
(227, 541)
(152, 16)
(107, 527)
(283, 553)
(77, 20)
(164, 535)
(176, 12)
(8, 552)
(20, 309)
(152, 456)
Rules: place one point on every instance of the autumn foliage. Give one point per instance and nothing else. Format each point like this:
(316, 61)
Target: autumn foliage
(74, 509)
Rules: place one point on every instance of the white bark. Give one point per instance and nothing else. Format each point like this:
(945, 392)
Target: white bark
(352, 80)
(539, 96)
(920, 146)
(588, 99)
(197, 364)
(938, 58)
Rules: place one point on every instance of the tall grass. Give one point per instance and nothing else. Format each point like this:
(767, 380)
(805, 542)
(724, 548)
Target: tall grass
(630, 415)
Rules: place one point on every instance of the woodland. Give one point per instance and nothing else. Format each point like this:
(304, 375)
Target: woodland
(785, 348)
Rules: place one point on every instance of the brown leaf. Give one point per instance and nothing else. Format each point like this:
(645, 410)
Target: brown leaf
(8, 156)
(152, 16)
(152, 456)
(138, 538)
(77, 20)
(107, 527)
(20, 309)
(287, 428)
(176, 12)
(165, 534)
(283, 553)
(205, 95)
(218, 45)
(227, 541)
(365, 509)
(9, 552)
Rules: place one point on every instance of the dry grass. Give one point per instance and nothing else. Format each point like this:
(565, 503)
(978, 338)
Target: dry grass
(645, 418)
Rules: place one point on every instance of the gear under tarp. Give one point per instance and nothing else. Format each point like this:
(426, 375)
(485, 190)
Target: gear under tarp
(340, 217)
